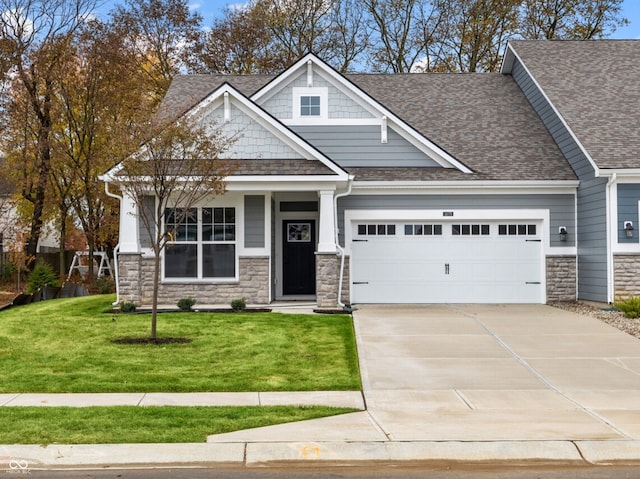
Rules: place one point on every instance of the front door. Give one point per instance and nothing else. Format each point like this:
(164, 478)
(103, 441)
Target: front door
(298, 257)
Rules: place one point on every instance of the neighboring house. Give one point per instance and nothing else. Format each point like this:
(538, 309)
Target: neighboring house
(588, 96)
(419, 188)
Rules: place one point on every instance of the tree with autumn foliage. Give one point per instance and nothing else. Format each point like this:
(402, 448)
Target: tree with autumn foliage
(33, 34)
(160, 36)
(100, 97)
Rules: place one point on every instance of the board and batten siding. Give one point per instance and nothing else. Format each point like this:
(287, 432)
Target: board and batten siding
(254, 221)
(561, 207)
(591, 197)
(360, 146)
(628, 198)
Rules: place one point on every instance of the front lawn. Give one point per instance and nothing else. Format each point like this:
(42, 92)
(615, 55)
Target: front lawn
(67, 345)
(109, 425)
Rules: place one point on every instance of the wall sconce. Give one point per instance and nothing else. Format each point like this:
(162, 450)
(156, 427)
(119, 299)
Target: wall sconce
(628, 228)
(562, 231)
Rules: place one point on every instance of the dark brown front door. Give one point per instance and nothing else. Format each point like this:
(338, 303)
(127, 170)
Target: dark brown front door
(298, 257)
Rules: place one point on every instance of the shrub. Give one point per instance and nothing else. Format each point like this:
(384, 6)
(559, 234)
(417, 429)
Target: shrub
(239, 304)
(185, 304)
(103, 285)
(8, 270)
(41, 276)
(128, 307)
(630, 307)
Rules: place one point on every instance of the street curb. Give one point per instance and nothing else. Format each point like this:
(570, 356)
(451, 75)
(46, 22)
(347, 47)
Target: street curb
(14, 458)
(512, 452)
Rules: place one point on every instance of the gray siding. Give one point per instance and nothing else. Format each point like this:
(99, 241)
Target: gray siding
(254, 221)
(250, 139)
(358, 146)
(561, 207)
(340, 105)
(628, 198)
(592, 216)
(149, 206)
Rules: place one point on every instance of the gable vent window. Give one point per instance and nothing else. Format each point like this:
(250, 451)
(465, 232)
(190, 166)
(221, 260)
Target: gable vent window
(517, 230)
(470, 230)
(423, 230)
(376, 230)
(309, 105)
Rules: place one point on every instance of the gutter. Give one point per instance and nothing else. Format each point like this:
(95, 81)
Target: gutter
(610, 267)
(116, 247)
(340, 248)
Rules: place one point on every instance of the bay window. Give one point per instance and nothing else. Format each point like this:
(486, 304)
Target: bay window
(202, 243)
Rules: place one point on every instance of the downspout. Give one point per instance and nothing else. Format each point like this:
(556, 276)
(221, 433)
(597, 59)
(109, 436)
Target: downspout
(116, 247)
(340, 248)
(609, 232)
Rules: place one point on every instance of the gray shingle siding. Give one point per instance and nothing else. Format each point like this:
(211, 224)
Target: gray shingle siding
(360, 146)
(592, 219)
(628, 197)
(254, 221)
(561, 207)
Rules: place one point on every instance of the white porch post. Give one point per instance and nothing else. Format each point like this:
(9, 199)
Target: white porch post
(129, 226)
(326, 230)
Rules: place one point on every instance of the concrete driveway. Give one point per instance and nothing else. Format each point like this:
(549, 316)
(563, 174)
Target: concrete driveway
(497, 372)
(483, 373)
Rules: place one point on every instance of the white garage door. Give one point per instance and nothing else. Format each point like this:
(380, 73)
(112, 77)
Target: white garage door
(479, 262)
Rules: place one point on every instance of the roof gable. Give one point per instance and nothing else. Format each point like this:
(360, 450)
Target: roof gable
(593, 86)
(311, 71)
(257, 135)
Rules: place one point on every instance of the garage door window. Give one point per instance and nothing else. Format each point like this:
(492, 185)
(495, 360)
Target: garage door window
(376, 230)
(470, 230)
(517, 230)
(423, 230)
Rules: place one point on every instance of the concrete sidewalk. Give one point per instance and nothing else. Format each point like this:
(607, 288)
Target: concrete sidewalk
(350, 399)
(516, 384)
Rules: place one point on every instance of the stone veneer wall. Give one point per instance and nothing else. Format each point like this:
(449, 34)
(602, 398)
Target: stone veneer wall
(327, 271)
(561, 278)
(626, 276)
(136, 278)
(327, 278)
(129, 277)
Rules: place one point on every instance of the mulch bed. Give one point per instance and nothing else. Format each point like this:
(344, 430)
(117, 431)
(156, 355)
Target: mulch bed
(157, 341)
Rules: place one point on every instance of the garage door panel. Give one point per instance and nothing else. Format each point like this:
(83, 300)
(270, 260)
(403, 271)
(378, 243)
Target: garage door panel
(446, 268)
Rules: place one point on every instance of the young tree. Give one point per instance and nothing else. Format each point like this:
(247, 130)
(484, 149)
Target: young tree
(178, 166)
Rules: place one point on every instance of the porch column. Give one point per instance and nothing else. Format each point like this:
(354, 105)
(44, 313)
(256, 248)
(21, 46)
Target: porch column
(129, 226)
(326, 230)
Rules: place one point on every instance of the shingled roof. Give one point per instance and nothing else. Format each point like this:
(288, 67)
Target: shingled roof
(595, 85)
(482, 120)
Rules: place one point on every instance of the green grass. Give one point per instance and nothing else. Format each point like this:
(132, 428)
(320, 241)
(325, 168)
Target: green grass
(66, 345)
(109, 425)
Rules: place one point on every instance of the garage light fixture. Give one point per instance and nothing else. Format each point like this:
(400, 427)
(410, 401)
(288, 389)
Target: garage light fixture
(628, 228)
(562, 231)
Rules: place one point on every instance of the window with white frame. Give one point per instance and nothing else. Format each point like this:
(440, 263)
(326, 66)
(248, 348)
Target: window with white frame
(310, 104)
(202, 243)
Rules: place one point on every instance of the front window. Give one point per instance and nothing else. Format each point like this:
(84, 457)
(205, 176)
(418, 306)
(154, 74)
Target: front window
(202, 243)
